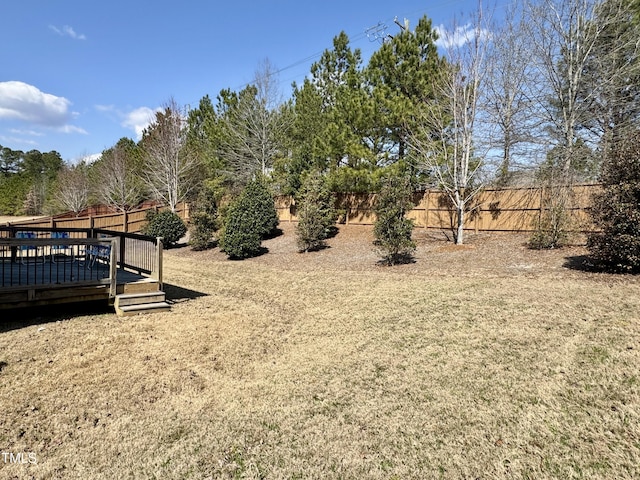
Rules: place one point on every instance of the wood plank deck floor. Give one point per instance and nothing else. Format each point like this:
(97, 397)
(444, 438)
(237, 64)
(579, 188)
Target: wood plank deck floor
(66, 280)
(16, 274)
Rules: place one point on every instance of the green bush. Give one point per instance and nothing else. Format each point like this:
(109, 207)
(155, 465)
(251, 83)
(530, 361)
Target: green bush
(204, 221)
(316, 212)
(552, 229)
(167, 225)
(258, 201)
(249, 219)
(239, 238)
(392, 230)
(616, 211)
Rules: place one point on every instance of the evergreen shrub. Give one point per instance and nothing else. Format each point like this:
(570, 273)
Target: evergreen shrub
(316, 212)
(392, 230)
(616, 210)
(166, 224)
(204, 222)
(249, 219)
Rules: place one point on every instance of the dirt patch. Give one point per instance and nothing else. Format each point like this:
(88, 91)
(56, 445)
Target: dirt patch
(351, 249)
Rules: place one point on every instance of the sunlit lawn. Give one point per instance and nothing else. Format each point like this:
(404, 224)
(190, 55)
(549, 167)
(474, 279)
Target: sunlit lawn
(262, 372)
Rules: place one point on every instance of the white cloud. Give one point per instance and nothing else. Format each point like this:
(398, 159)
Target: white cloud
(31, 133)
(139, 119)
(18, 141)
(460, 36)
(20, 101)
(105, 108)
(67, 31)
(72, 129)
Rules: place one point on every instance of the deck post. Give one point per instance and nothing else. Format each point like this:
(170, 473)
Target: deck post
(157, 273)
(14, 249)
(122, 250)
(113, 267)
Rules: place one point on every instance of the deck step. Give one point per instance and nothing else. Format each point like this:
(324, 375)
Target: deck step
(134, 303)
(124, 300)
(128, 310)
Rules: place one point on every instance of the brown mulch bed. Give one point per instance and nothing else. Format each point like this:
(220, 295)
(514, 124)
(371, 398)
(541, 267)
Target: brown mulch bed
(483, 254)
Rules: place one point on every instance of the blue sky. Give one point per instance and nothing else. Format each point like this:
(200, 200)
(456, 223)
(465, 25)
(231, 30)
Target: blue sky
(78, 75)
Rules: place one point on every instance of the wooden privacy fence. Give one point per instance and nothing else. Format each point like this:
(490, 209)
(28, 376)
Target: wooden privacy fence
(126, 222)
(493, 210)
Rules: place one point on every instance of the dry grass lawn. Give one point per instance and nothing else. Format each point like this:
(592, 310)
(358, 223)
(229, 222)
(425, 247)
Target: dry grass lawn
(485, 362)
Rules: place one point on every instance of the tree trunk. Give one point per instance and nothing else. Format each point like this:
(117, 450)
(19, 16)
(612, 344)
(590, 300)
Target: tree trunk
(460, 227)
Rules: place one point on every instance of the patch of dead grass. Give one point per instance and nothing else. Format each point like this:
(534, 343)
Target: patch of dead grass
(300, 366)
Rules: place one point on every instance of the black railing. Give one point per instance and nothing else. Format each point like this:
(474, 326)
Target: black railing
(36, 262)
(57, 256)
(139, 253)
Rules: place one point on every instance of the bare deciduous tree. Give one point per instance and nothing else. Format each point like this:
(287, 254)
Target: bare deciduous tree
(453, 157)
(117, 183)
(567, 38)
(254, 125)
(171, 170)
(563, 38)
(508, 98)
(73, 188)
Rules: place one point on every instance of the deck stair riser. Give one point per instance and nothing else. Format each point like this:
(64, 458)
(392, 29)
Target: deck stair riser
(133, 304)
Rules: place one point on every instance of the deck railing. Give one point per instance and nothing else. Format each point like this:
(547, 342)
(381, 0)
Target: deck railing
(37, 262)
(60, 256)
(140, 253)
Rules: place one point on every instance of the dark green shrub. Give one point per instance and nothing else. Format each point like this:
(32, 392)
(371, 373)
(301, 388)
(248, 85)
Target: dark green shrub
(249, 219)
(239, 238)
(616, 211)
(167, 225)
(392, 230)
(316, 212)
(204, 222)
(203, 227)
(258, 201)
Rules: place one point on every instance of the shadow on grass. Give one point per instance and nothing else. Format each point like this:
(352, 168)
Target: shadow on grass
(259, 253)
(585, 263)
(582, 263)
(316, 248)
(14, 319)
(177, 294)
(400, 259)
(274, 234)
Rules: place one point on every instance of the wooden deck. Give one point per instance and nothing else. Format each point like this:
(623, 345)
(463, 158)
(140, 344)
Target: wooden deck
(31, 276)
(68, 285)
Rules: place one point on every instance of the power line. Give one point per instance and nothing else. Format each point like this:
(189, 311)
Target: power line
(374, 33)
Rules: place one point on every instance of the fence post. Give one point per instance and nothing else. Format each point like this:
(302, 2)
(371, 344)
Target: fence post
(541, 205)
(426, 210)
(125, 222)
